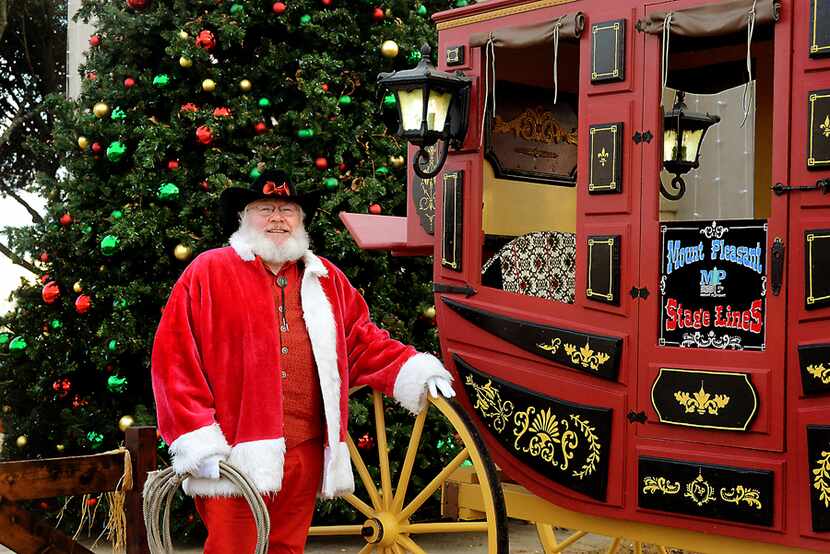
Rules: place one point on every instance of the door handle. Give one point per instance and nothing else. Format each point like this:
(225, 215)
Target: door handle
(777, 270)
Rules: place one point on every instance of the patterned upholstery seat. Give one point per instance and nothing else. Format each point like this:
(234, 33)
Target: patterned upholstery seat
(541, 264)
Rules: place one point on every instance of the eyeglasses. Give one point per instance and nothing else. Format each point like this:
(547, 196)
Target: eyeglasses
(268, 210)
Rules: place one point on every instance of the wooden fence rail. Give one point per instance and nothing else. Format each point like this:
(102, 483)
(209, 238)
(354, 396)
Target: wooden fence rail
(25, 533)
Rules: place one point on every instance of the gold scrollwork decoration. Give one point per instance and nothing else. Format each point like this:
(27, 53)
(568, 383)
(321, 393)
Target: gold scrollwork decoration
(819, 372)
(490, 404)
(821, 478)
(602, 156)
(739, 494)
(699, 490)
(548, 436)
(535, 125)
(701, 401)
(660, 484)
(553, 347)
(585, 356)
(594, 445)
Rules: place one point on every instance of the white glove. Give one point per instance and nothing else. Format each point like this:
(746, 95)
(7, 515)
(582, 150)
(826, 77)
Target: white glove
(208, 468)
(442, 384)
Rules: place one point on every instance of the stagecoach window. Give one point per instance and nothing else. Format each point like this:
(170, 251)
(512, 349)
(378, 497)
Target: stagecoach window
(529, 212)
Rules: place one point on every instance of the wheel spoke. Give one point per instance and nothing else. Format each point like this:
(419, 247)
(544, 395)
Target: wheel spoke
(614, 546)
(433, 485)
(446, 527)
(330, 530)
(383, 450)
(363, 471)
(397, 549)
(409, 460)
(410, 545)
(360, 505)
(367, 549)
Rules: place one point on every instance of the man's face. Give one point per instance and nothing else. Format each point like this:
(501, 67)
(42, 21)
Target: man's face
(277, 219)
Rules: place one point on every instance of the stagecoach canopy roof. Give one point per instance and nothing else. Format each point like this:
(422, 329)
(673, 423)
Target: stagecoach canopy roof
(570, 27)
(711, 20)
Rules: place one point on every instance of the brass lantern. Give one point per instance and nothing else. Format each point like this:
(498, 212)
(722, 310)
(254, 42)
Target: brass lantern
(683, 133)
(432, 105)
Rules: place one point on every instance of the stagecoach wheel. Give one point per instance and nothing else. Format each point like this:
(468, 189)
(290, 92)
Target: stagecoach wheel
(390, 526)
(551, 546)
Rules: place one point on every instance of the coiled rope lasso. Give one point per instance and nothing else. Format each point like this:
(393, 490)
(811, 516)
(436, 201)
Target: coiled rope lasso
(161, 487)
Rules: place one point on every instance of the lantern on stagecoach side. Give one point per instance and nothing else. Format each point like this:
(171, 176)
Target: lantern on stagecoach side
(683, 133)
(432, 105)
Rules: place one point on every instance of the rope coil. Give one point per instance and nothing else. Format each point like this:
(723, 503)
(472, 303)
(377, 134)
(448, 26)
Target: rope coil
(160, 489)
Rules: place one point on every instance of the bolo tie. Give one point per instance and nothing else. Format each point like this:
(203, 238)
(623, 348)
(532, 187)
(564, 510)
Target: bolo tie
(281, 283)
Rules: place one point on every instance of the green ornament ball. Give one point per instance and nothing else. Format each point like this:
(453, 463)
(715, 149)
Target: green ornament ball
(18, 344)
(305, 19)
(237, 9)
(390, 101)
(414, 56)
(116, 151)
(56, 324)
(254, 173)
(461, 3)
(117, 214)
(422, 10)
(345, 100)
(95, 439)
(305, 133)
(116, 384)
(264, 102)
(168, 191)
(119, 303)
(112, 345)
(109, 244)
(118, 114)
(161, 80)
(5, 338)
(382, 171)
(331, 183)
(87, 229)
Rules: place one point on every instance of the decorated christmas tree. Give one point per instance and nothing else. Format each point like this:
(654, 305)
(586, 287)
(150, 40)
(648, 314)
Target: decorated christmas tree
(181, 99)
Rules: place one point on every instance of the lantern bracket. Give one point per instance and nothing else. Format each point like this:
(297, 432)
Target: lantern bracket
(678, 184)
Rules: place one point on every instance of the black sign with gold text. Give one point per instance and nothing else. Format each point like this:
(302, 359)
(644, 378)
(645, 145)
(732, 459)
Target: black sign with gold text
(713, 284)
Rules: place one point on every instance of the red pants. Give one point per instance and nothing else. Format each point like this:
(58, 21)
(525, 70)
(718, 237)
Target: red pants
(230, 523)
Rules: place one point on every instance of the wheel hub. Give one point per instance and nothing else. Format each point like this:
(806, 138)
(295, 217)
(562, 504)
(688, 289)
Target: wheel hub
(382, 530)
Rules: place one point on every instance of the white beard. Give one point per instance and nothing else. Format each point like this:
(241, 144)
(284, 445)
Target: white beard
(293, 248)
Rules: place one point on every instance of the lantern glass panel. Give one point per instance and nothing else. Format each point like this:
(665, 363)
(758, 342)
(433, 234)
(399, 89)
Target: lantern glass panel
(669, 144)
(437, 110)
(689, 144)
(411, 103)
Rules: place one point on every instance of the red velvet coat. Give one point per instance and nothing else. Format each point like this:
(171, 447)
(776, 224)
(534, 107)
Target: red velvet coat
(216, 373)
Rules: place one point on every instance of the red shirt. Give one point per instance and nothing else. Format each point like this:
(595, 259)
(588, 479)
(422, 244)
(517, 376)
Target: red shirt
(301, 398)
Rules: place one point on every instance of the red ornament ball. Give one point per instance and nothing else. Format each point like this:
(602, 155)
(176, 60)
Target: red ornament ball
(374, 209)
(189, 107)
(95, 40)
(321, 163)
(138, 4)
(377, 15)
(342, 167)
(206, 40)
(44, 257)
(222, 112)
(83, 303)
(326, 2)
(365, 442)
(129, 82)
(278, 8)
(50, 292)
(43, 505)
(92, 75)
(325, 87)
(96, 147)
(66, 219)
(91, 502)
(260, 127)
(45, 278)
(205, 185)
(173, 165)
(204, 134)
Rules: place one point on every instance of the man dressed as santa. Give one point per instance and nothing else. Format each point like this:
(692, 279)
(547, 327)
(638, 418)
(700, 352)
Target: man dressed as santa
(253, 359)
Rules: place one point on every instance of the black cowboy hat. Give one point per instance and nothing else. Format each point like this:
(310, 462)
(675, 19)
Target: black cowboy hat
(271, 185)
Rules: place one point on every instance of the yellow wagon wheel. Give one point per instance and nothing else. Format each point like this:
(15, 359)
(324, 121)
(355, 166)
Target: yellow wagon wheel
(389, 527)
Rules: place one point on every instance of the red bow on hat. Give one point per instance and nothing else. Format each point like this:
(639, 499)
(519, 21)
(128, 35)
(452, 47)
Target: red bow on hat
(271, 188)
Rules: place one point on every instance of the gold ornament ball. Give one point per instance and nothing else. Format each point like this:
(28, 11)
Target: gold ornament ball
(22, 441)
(125, 423)
(59, 447)
(396, 161)
(388, 12)
(185, 62)
(389, 49)
(208, 85)
(78, 287)
(182, 252)
(183, 35)
(7, 409)
(83, 143)
(245, 85)
(429, 313)
(101, 109)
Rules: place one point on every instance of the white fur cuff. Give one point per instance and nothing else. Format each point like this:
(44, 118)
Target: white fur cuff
(410, 386)
(338, 478)
(191, 448)
(262, 462)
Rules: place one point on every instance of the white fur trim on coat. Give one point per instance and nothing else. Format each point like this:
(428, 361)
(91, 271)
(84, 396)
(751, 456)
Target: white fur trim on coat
(242, 248)
(338, 478)
(262, 462)
(188, 451)
(411, 384)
